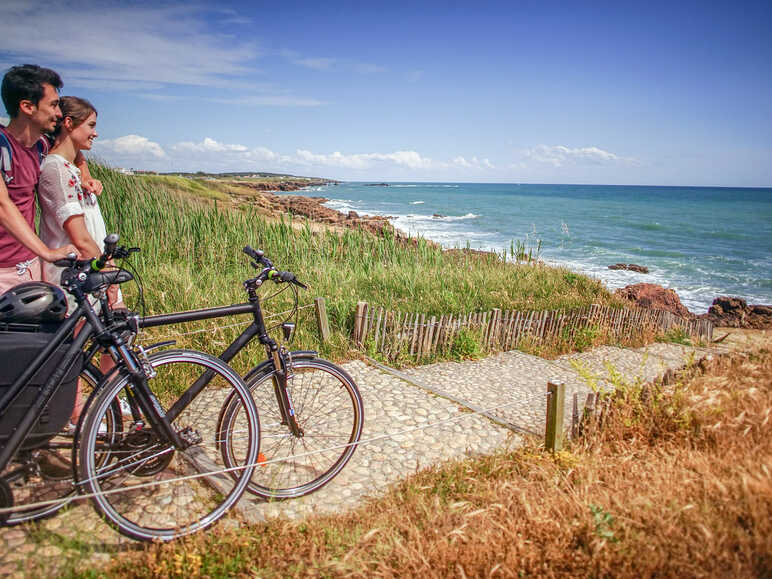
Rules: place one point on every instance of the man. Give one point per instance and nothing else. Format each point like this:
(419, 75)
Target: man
(31, 97)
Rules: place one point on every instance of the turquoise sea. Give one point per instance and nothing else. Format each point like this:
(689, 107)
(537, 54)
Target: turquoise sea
(700, 241)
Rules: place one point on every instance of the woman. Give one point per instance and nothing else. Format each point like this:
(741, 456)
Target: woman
(68, 212)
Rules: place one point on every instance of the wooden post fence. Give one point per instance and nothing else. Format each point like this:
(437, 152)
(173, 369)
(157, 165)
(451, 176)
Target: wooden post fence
(553, 437)
(422, 335)
(321, 319)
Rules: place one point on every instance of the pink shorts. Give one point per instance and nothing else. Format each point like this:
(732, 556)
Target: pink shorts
(21, 272)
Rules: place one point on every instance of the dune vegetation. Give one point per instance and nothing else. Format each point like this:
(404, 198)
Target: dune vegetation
(191, 240)
(674, 483)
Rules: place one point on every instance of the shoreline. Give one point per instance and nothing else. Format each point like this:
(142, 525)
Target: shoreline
(275, 199)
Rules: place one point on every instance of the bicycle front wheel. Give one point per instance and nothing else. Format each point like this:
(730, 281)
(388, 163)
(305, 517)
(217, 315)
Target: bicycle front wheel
(328, 411)
(144, 486)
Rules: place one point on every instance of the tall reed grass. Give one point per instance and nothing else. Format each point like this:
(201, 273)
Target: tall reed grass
(191, 257)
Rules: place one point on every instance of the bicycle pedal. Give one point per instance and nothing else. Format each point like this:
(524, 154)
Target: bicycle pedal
(190, 436)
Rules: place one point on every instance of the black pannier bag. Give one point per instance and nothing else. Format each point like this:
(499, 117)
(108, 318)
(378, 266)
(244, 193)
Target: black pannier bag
(19, 345)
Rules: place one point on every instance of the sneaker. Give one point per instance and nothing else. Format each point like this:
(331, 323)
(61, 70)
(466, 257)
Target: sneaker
(54, 466)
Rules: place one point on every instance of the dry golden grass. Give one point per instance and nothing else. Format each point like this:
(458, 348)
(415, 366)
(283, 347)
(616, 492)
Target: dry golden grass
(677, 482)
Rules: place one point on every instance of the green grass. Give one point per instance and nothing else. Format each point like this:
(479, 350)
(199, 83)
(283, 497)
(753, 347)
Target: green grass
(191, 258)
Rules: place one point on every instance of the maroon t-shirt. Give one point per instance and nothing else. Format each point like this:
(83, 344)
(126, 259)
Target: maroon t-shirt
(21, 190)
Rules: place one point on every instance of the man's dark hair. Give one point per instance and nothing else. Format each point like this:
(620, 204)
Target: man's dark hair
(25, 83)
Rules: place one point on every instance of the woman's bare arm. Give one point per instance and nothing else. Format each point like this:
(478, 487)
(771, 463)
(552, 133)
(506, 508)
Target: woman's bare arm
(75, 228)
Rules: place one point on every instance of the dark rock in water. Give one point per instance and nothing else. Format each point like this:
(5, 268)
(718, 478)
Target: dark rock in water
(736, 313)
(630, 267)
(654, 297)
(438, 215)
(376, 184)
(353, 215)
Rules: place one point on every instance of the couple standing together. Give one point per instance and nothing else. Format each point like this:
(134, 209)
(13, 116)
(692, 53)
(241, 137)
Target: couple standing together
(71, 221)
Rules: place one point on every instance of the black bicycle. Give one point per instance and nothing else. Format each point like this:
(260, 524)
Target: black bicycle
(151, 458)
(311, 409)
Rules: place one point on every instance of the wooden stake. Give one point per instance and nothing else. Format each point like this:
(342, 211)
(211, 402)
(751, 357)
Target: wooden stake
(358, 322)
(321, 319)
(553, 439)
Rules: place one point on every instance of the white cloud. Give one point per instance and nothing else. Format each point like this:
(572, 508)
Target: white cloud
(138, 48)
(208, 146)
(271, 101)
(473, 163)
(320, 63)
(129, 43)
(211, 155)
(409, 159)
(327, 63)
(559, 155)
(131, 147)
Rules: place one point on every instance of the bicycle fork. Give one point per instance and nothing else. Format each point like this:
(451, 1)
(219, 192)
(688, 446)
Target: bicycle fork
(139, 390)
(281, 378)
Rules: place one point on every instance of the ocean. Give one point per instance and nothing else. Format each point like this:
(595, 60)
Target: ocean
(700, 241)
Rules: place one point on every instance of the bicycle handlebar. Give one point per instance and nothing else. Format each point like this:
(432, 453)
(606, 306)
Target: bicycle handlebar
(98, 263)
(277, 276)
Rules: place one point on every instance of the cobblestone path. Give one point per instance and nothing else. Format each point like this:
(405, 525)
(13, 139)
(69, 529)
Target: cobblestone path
(408, 426)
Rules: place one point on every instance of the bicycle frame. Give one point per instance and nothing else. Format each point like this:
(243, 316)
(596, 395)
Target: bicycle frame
(255, 329)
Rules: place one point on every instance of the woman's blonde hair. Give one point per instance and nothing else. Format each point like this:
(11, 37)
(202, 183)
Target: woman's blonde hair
(77, 109)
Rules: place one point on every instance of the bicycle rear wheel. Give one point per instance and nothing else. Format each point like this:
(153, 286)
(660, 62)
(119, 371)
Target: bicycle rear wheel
(142, 485)
(38, 484)
(328, 410)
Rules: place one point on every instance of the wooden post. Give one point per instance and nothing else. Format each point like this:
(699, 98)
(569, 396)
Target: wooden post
(429, 338)
(575, 416)
(553, 438)
(420, 338)
(321, 319)
(493, 326)
(377, 333)
(359, 319)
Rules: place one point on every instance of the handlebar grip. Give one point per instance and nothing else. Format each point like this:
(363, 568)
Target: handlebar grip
(288, 276)
(110, 242)
(255, 254)
(67, 261)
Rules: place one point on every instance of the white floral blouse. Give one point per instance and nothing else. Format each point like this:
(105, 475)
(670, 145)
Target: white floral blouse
(61, 196)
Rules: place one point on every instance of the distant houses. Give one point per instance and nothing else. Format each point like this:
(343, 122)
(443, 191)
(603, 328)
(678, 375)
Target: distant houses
(125, 171)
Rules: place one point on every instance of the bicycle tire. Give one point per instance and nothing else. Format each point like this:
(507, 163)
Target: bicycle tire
(39, 488)
(328, 407)
(190, 493)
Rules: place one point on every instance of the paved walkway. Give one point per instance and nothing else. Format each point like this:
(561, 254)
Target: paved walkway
(407, 427)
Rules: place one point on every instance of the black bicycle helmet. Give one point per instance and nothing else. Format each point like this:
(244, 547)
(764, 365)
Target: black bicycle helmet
(33, 302)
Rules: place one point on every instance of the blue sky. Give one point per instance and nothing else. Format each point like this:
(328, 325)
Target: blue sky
(540, 92)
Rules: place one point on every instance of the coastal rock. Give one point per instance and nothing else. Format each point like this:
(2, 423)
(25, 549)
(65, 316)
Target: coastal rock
(630, 267)
(438, 215)
(286, 185)
(313, 208)
(736, 313)
(654, 297)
